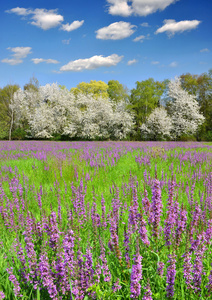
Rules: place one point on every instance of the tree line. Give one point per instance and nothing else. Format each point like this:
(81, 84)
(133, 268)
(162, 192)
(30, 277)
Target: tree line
(179, 109)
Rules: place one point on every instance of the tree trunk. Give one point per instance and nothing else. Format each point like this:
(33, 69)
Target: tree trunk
(11, 125)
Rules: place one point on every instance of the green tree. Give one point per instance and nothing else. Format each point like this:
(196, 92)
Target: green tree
(7, 116)
(32, 85)
(143, 99)
(97, 88)
(117, 91)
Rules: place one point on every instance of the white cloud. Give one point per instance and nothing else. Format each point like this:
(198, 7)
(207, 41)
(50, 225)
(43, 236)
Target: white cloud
(48, 61)
(70, 27)
(19, 11)
(171, 26)
(205, 50)
(155, 63)
(145, 24)
(18, 54)
(139, 38)
(40, 17)
(12, 61)
(66, 42)
(174, 64)
(93, 62)
(115, 31)
(46, 19)
(126, 8)
(131, 62)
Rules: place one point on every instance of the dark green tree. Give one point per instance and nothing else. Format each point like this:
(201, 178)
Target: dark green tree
(143, 99)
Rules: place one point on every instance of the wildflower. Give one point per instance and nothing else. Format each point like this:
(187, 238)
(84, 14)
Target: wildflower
(187, 270)
(15, 282)
(156, 207)
(116, 286)
(2, 295)
(148, 293)
(136, 275)
(170, 277)
(142, 230)
(160, 268)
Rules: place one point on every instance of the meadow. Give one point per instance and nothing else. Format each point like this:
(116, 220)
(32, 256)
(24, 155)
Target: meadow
(105, 220)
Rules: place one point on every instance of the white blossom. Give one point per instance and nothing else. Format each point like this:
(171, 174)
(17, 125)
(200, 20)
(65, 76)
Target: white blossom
(52, 110)
(157, 126)
(183, 110)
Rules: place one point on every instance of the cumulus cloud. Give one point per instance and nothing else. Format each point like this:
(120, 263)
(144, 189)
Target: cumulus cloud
(127, 8)
(115, 31)
(171, 26)
(93, 62)
(48, 61)
(131, 62)
(70, 27)
(155, 63)
(18, 54)
(205, 50)
(139, 38)
(45, 19)
(174, 64)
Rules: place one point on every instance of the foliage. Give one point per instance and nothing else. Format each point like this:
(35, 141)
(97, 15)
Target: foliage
(97, 88)
(117, 92)
(144, 98)
(7, 116)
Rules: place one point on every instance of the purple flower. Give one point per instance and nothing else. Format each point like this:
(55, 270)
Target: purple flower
(198, 267)
(143, 231)
(156, 207)
(148, 293)
(133, 211)
(160, 268)
(52, 231)
(136, 276)
(15, 282)
(170, 277)
(187, 270)
(127, 247)
(114, 238)
(46, 276)
(181, 225)
(116, 286)
(2, 295)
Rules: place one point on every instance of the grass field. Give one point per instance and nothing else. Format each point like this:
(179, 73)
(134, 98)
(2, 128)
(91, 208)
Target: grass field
(105, 220)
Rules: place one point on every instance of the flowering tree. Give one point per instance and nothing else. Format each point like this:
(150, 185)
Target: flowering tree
(52, 110)
(184, 110)
(158, 125)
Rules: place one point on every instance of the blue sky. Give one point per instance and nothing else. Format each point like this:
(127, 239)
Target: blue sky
(78, 40)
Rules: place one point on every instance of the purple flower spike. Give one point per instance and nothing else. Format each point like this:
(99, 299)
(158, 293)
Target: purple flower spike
(170, 277)
(148, 293)
(160, 268)
(136, 276)
(156, 208)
